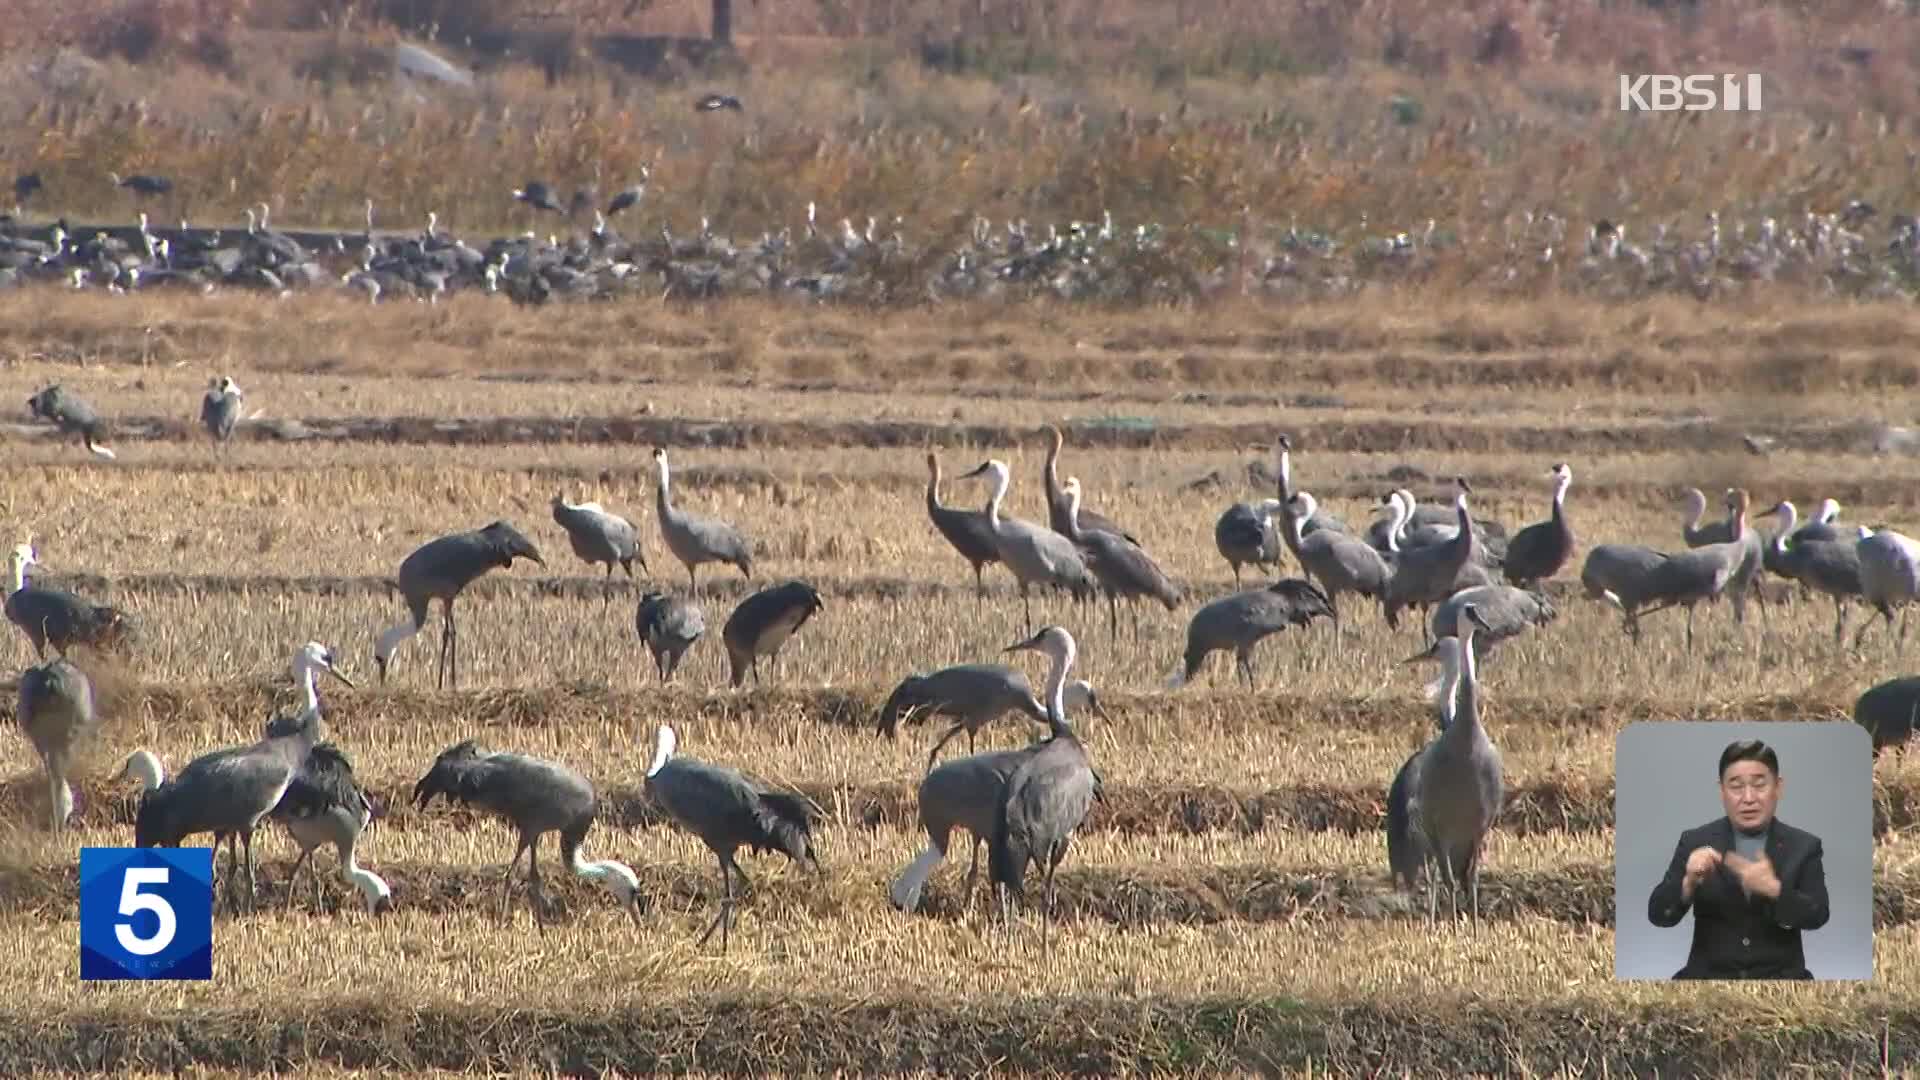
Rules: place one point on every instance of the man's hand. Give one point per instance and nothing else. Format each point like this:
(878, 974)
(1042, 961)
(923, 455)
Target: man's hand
(1756, 875)
(1699, 864)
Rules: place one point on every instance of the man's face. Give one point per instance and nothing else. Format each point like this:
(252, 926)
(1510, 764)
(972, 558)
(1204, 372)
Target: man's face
(1750, 791)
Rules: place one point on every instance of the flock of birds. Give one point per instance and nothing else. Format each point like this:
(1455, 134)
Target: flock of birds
(1475, 585)
(1080, 260)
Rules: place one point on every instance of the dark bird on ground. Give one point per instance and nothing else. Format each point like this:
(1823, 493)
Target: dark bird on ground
(969, 531)
(727, 812)
(325, 805)
(61, 619)
(72, 416)
(715, 102)
(1406, 849)
(536, 797)
(1090, 519)
(599, 536)
(1243, 620)
(536, 194)
(1538, 551)
(763, 622)
(220, 410)
(964, 793)
(142, 183)
(1456, 787)
(1624, 576)
(629, 197)
(57, 713)
(1122, 567)
(669, 626)
(973, 696)
(1889, 712)
(695, 538)
(26, 186)
(1048, 795)
(229, 792)
(1245, 535)
(440, 569)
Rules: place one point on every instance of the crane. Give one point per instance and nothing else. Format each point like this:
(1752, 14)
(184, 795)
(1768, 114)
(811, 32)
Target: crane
(441, 569)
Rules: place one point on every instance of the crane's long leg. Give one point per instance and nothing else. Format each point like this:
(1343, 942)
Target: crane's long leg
(1046, 916)
(536, 896)
(692, 585)
(1839, 619)
(607, 598)
(246, 842)
(294, 878)
(951, 732)
(973, 870)
(979, 585)
(1026, 606)
(1113, 615)
(726, 904)
(506, 894)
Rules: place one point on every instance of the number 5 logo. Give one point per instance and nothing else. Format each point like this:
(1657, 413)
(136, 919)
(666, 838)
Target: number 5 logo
(146, 913)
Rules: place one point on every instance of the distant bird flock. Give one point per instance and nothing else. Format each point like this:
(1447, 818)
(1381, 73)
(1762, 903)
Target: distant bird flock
(569, 249)
(1473, 585)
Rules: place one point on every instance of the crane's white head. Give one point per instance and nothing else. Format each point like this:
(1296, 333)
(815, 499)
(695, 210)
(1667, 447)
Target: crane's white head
(1562, 475)
(228, 386)
(1468, 621)
(1303, 505)
(313, 658)
(994, 469)
(1079, 695)
(1694, 500)
(1829, 509)
(1266, 508)
(1460, 497)
(664, 743)
(23, 556)
(1054, 641)
(660, 460)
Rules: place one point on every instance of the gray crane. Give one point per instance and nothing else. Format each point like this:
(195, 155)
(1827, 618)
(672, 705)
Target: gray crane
(1420, 526)
(1090, 519)
(1703, 573)
(964, 793)
(1430, 574)
(1122, 567)
(57, 712)
(537, 195)
(727, 812)
(973, 696)
(1889, 577)
(1406, 848)
(1889, 712)
(669, 626)
(536, 797)
(72, 416)
(325, 805)
(1753, 559)
(969, 531)
(1538, 551)
(59, 618)
(1319, 519)
(1791, 532)
(1048, 795)
(1243, 620)
(763, 622)
(1455, 787)
(1623, 575)
(220, 410)
(143, 184)
(1245, 534)
(630, 196)
(1339, 563)
(695, 539)
(1031, 552)
(1507, 612)
(599, 536)
(229, 792)
(441, 569)
(1828, 566)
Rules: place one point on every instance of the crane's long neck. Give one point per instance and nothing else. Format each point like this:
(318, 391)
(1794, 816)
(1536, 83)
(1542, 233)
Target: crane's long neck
(1286, 473)
(1396, 522)
(1737, 523)
(1057, 691)
(933, 487)
(1464, 726)
(1449, 683)
(1290, 520)
(662, 496)
(309, 688)
(19, 574)
(371, 885)
(1560, 497)
(1073, 513)
(1000, 481)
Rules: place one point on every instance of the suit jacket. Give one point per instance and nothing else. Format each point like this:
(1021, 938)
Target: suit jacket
(1736, 936)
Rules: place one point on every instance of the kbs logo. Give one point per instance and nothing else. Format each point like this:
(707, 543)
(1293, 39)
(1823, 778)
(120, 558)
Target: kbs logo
(146, 913)
(1690, 93)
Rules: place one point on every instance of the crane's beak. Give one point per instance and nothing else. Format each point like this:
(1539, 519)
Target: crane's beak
(1432, 653)
(336, 673)
(1100, 709)
(980, 471)
(1031, 643)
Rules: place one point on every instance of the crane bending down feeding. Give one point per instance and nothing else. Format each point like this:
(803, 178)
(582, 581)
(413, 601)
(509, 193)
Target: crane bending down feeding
(727, 812)
(763, 622)
(693, 538)
(1033, 553)
(1048, 795)
(1406, 849)
(973, 695)
(536, 797)
(669, 626)
(964, 793)
(72, 416)
(599, 536)
(1121, 566)
(58, 618)
(220, 410)
(1243, 620)
(969, 531)
(325, 805)
(1456, 787)
(56, 711)
(229, 792)
(440, 570)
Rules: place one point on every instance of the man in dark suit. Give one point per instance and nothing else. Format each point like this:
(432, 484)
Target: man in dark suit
(1753, 881)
